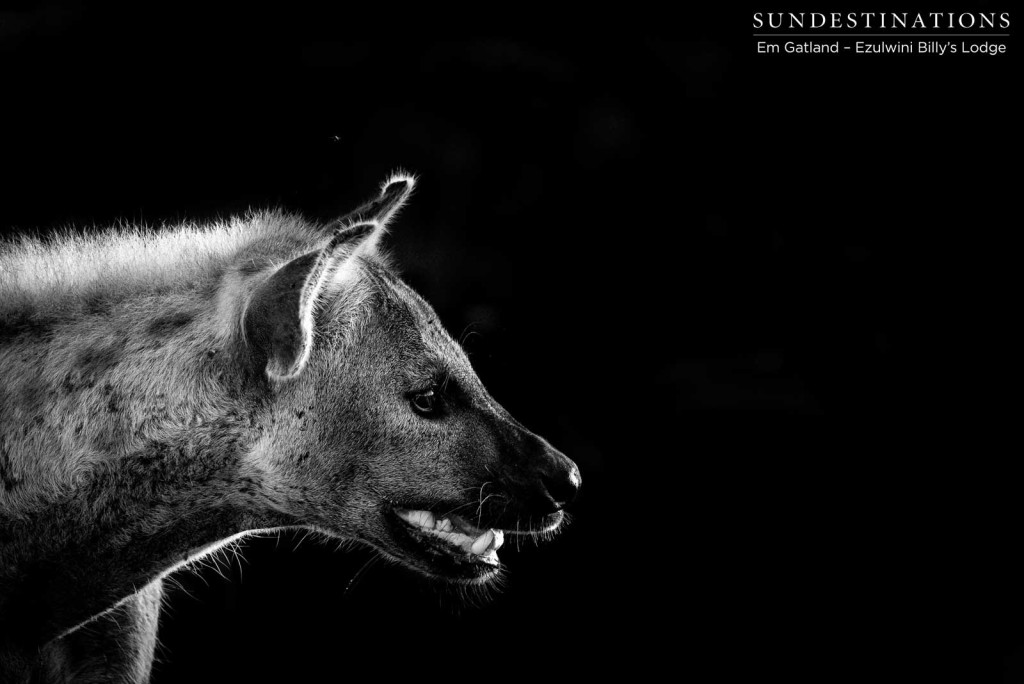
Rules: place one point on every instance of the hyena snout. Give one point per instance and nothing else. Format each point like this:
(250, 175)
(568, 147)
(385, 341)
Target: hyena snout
(560, 478)
(543, 480)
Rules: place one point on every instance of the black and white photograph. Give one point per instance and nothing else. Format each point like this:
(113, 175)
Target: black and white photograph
(507, 342)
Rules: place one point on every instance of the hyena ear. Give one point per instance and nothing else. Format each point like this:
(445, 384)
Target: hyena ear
(278, 321)
(395, 191)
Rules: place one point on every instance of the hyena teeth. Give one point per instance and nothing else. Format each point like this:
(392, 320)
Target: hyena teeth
(488, 541)
(483, 545)
(424, 519)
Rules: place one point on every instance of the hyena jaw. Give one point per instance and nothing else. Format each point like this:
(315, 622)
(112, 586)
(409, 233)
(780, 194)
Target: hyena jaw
(208, 382)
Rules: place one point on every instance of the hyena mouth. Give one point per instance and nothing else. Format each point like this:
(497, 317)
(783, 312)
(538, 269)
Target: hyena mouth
(446, 547)
(454, 548)
(482, 545)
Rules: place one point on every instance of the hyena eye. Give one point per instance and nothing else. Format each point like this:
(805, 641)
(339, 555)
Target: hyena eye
(427, 403)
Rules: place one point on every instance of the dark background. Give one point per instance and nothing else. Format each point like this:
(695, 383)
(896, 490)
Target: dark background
(764, 303)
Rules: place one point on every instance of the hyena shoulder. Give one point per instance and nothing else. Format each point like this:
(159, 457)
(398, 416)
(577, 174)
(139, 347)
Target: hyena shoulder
(86, 322)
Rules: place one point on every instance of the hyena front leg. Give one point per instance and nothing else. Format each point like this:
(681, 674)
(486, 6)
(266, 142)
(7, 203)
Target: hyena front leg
(116, 647)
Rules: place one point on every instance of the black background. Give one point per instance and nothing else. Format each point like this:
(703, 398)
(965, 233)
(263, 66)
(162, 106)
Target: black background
(763, 301)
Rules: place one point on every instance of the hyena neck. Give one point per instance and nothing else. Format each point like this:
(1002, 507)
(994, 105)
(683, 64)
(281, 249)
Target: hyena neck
(132, 521)
(149, 463)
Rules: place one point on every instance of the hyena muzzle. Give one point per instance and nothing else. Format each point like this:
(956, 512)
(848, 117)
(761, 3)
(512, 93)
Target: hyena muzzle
(165, 392)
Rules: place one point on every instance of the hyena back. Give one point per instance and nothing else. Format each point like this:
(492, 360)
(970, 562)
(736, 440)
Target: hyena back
(163, 393)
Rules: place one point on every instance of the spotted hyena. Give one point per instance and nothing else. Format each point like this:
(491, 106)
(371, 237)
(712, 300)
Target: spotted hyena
(165, 392)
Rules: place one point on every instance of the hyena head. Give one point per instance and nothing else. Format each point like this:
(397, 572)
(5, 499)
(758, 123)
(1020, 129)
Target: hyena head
(380, 430)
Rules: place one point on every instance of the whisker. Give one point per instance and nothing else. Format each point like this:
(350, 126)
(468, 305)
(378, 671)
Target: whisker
(359, 574)
(459, 507)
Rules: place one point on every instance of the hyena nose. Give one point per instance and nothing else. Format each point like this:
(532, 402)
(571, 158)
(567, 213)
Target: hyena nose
(562, 481)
